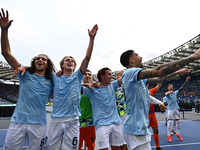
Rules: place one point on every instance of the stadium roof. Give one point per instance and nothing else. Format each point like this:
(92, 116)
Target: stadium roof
(182, 51)
(6, 73)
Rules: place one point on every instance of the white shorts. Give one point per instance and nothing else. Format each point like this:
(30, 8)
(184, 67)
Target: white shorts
(138, 142)
(109, 135)
(123, 118)
(173, 114)
(18, 133)
(63, 135)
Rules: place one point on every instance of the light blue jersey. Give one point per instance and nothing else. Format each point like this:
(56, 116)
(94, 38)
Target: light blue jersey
(104, 108)
(67, 95)
(137, 103)
(171, 100)
(33, 95)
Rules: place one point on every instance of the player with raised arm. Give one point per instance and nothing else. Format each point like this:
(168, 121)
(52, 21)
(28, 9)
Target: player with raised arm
(173, 109)
(28, 121)
(134, 81)
(64, 125)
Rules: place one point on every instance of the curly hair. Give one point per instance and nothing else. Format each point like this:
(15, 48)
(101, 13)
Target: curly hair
(50, 67)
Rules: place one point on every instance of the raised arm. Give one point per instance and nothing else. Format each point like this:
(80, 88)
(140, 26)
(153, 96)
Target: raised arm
(168, 68)
(5, 46)
(86, 60)
(183, 85)
(158, 86)
(168, 77)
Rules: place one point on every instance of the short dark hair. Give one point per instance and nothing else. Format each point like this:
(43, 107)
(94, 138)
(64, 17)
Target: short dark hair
(88, 71)
(168, 85)
(50, 67)
(102, 72)
(124, 59)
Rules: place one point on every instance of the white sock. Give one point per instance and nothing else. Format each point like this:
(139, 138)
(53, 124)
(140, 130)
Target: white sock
(169, 126)
(178, 126)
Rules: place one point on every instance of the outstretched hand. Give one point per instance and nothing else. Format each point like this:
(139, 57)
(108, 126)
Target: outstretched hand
(4, 19)
(183, 71)
(163, 107)
(93, 32)
(19, 69)
(88, 85)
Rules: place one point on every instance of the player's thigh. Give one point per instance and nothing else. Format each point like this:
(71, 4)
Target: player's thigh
(177, 115)
(90, 137)
(116, 135)
(154, 122)
(71, 135)
(36, 136)
(170, 114)
(15, 137)
(81, 136)
(55, 135)
(102, 136)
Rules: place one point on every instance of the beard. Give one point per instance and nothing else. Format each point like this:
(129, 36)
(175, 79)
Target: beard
(39, 70)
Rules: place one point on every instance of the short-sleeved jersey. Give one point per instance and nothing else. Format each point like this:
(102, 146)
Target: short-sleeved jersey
(33, 95)
(104, 108)
(152, 92)
(171, 100)
(67, 95)
(137, 103)
(121, 104)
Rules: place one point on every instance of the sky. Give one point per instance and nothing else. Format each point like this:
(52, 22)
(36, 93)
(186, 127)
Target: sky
(58, 28)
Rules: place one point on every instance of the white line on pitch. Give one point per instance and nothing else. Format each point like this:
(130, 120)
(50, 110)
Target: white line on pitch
(177, 145)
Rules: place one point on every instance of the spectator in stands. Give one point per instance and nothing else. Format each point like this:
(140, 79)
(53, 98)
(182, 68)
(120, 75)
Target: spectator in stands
(173, 109)
(197, 103)
(134, 82)
(29, 118)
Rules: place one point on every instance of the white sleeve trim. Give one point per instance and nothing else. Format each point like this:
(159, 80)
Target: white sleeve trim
(153, 100)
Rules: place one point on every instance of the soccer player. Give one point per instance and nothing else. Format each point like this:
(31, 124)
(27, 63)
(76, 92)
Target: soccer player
(152, 117)
(134, 81)
(87, 129)
(173, 109)
(64, 125)
(105, 116)
(28, 121)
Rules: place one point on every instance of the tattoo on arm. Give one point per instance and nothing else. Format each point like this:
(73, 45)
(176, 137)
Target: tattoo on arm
(164, 69)
(162, 79)
(173, 66)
